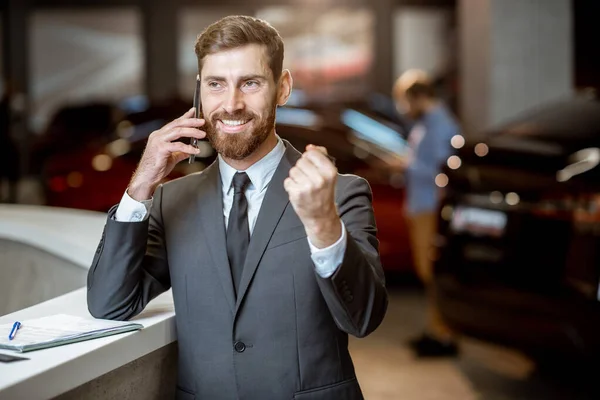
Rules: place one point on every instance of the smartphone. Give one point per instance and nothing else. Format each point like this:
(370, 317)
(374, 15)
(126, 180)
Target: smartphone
(198, 114)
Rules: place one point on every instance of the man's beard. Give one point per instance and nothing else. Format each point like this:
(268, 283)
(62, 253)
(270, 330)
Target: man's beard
(237, 146)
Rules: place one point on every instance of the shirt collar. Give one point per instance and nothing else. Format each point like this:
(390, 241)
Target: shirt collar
(260, 173)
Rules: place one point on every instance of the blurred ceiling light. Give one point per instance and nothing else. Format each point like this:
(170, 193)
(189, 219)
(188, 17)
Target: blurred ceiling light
(125, 129)
(454, 162)
(457, 141)
(562, 176)
(75, 179)
(118, 147)
(512, 199)
(447, 212)
(102, 162)
(581, 161)
(496, 197)
(482, 149)
(441, 180)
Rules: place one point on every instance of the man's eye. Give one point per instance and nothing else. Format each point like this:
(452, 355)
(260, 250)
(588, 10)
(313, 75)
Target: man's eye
(252, 84)
(214, 85)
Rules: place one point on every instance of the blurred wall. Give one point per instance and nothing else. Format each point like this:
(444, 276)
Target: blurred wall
(421, 39)
(515, 55)
(83, 55)
(329, 49)
(160, 49)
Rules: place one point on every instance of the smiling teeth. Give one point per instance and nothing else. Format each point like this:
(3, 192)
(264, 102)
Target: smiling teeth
(233, 123)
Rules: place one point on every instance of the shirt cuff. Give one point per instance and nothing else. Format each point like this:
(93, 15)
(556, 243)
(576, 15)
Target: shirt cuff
(328, 260)
(130, 210)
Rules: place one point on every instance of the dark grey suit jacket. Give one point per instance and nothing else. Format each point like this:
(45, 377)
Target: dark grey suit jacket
(286, 335)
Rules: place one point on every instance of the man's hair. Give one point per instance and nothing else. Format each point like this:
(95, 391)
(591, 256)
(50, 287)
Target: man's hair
(421, 89)
(237, 31)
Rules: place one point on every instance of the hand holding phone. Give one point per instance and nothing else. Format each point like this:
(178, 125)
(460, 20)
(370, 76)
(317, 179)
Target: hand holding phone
(197, 107)
(166, 147)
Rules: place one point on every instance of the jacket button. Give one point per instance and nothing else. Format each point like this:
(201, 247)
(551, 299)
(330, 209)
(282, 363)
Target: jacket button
(239, 347)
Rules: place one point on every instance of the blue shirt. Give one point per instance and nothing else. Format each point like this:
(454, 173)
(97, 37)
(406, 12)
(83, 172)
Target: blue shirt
(430, 145)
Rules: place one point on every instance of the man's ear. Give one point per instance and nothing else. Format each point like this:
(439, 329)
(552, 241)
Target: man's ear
(284, 89)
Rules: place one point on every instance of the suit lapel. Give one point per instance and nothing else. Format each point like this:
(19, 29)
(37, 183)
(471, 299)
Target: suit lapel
(271, 210)
(213, 223)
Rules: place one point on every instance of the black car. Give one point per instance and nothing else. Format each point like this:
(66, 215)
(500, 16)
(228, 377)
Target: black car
(518, 258)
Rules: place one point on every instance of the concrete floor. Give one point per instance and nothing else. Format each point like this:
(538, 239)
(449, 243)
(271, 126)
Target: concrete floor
(387, 369)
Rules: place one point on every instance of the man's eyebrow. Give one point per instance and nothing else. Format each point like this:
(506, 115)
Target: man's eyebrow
(253, 77)
(213, 78)
(241, 78)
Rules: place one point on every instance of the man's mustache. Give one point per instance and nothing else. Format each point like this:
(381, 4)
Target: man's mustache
(236, 116)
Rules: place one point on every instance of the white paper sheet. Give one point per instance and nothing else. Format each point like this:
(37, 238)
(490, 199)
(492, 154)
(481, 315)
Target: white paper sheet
(55, 327)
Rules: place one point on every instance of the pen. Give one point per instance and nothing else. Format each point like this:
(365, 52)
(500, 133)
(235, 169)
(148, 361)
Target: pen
(13, 331)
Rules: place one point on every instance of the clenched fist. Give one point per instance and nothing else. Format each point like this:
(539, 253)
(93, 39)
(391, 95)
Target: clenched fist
(162, 153)
(311, 187)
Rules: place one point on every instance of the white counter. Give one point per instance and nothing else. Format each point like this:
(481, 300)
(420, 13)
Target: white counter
(67, 233)
(72, 235)
(51, 372)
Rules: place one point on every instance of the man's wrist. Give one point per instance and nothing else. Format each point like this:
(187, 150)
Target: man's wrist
(324, 232)
(140, 191)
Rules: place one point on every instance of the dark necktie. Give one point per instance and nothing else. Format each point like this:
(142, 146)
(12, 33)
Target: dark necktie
(238, 232)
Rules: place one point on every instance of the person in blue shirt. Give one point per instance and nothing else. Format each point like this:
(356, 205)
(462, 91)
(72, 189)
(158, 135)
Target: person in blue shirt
(429, 148)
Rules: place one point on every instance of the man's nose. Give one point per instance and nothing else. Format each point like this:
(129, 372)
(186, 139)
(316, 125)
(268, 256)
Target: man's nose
(234, 101)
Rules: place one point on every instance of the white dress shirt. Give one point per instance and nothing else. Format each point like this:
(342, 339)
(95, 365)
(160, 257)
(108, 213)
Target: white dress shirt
(326, 260)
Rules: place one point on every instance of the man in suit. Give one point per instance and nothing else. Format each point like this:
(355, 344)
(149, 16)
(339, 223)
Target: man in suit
(271, 254)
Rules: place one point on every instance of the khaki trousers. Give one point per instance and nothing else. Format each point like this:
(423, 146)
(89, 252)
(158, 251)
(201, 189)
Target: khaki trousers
(422, 230)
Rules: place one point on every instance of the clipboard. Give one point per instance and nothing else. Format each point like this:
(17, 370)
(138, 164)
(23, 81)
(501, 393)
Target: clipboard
(61, 329)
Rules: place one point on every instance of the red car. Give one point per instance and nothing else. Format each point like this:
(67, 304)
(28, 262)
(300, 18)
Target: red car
(92, 174)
